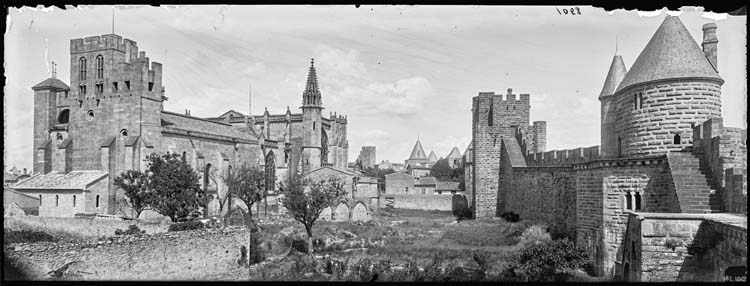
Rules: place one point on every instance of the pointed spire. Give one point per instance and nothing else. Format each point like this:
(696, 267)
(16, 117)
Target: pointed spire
(417, 153)
(311, 96)
(455, 153)
(432, 158)
(671, 53)
(617, 72)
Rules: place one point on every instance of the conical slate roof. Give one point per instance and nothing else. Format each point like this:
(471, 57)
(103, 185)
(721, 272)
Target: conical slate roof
(417, 153)
(455, 154)
(51, 83)
(432, 158)
(615, 75)
(671, 53)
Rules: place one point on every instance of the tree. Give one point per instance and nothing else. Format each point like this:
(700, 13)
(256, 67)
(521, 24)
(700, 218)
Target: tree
(176, 192)
(136, 186)
(305, 199)
(247, 184)
(441, 170)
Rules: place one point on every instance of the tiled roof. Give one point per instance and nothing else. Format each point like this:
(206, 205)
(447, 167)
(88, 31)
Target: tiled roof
(454, 154)
(417, 153)
(671, 53)
(449, 186)
(426, 181)
(74, 180)
(51, 83)
(615, 75)
(190, 123)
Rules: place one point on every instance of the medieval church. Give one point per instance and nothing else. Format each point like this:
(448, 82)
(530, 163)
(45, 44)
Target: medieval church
(113, 117)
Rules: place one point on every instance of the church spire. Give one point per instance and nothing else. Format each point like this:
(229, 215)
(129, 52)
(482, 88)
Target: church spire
(311, 97)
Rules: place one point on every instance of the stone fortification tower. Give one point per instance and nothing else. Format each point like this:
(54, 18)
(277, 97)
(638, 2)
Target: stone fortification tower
(615, 75)
(671, 86)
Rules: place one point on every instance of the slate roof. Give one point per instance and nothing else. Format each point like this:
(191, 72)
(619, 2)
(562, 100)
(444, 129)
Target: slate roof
(447, 186)
(74, 180)
(671, 53)
(417, 153)
(51, 83)
(196, 124)
(432, 158)
(454, 154)
(426, 181)
(615, 75)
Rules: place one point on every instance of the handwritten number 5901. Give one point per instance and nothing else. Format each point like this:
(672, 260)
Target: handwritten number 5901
(571, 11)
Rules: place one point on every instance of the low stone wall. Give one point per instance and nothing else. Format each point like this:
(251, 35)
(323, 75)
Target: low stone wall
(422, 202)
(96, 227)
(683, 247)
(184, 255)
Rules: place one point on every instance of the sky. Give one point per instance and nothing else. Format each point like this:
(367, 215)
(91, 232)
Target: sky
(398, 72)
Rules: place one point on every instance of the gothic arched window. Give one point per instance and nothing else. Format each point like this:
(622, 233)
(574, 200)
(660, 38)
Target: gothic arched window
(205, 176)
(82, 69)
(323, 148)
(270, 171)
(99, 67)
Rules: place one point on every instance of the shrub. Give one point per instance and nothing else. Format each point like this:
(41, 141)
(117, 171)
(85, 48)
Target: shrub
(188, 225)
(510, 216)
(535, 234)
(460, 207)
(16, 236)
(132, 229)
(542, 261)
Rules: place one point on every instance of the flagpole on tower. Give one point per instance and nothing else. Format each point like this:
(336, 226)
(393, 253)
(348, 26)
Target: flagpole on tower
(113, 19)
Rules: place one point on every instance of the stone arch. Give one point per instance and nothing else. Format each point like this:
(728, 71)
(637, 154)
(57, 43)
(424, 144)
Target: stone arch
(341, 212)
(360, 212)
(64, 116)
(326, 214)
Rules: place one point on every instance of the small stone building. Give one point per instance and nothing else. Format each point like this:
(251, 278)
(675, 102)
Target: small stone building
(425, 185)
(399, 183)
(64, 195)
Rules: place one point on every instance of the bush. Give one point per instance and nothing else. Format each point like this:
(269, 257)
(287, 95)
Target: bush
(188, 225)
(534, 234)
(542, 261)
(510, 216)
(132, 229)
(460, 207)
(15, 236)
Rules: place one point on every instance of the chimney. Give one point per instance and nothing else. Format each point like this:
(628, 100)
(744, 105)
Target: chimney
(709, 44)
(510, 91)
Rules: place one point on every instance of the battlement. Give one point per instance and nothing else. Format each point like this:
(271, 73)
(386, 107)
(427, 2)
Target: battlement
(564, 157)
(510, 97)
(94, 43)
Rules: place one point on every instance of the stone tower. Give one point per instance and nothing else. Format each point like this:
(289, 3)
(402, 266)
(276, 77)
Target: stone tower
(46, 117)
(494, 119)
(615, 75)
(312, 107)
(671, 86)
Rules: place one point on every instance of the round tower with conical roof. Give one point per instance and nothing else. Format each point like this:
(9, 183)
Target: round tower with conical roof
(615, 75)
(312, 108)
(670, 87)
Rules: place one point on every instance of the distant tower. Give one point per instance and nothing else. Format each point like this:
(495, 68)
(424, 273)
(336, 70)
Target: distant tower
(45, 118)
(615, 75)
(312, 149)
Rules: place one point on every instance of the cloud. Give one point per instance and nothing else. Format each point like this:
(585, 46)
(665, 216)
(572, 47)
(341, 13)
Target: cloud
(347, 84)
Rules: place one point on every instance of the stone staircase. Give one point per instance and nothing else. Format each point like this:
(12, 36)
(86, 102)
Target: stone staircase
(695, 191)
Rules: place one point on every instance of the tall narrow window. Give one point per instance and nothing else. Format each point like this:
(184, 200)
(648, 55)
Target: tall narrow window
(206, 173)
(637, 201)
(677, 138)
(74, 200)
(490, 118)
(184, 156)
(114, 86)
(640, 100)
(57, 200)
(82, 69)
(628, 201)
(97, 201)
(99, 67)
(150, 86)
(40, 200)
(127, 84)
(635, 101)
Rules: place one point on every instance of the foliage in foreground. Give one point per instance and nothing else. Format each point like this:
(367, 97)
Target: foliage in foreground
(132, 229)
(540, 262)
(18, 236)
(169, 186)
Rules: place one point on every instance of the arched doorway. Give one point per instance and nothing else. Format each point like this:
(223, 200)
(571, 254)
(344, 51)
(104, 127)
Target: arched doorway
(626, 272)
